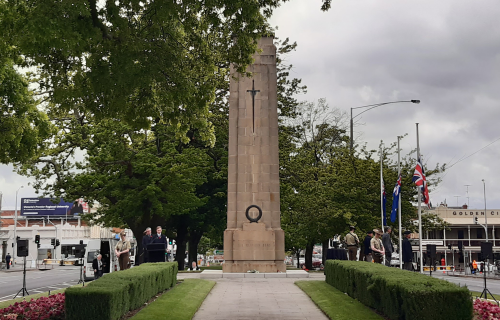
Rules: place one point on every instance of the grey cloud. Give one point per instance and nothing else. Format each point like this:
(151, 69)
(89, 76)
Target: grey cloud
(445, 53)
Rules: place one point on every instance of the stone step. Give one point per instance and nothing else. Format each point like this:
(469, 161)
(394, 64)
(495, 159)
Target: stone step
(217, 274)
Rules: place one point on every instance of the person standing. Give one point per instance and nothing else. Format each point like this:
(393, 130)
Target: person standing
(122, 249)
(352, 241)
(407, 252)
(97, 266)
(146, 239)
(7, 260)
(474, 266)
(389, 249)
(377, 247)
(158, 237)
(367, 246)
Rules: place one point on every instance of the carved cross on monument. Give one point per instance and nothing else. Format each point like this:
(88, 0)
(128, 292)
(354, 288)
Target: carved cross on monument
(253, 92)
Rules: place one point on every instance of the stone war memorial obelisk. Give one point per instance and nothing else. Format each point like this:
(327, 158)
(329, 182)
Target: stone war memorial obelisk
(253, 239)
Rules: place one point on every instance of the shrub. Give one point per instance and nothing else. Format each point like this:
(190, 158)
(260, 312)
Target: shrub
(113, 295)
(399, 294)
(43, 308)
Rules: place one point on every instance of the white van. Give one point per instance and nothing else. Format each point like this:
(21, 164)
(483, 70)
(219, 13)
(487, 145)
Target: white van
(105, 247)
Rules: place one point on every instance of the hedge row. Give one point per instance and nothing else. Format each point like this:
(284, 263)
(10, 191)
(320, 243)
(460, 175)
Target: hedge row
(399, 294)
(113, 295)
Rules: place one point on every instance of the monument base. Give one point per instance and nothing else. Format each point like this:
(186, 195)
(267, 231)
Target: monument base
(254, 248)
(261, 266)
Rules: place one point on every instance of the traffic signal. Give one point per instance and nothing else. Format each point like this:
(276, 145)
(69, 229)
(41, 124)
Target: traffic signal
(38, 245)
(37, 239)
(449, 247)
(476, 220)
(170, 242)
(52, 242)
(57, 243)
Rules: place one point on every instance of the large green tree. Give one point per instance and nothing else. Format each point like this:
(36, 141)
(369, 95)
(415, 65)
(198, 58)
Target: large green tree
(133, 60)
(326, 187)
(22, 126)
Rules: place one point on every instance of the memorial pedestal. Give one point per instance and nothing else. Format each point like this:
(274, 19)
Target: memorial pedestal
(254, 248)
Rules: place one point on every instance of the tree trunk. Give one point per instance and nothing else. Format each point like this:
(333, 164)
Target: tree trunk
(180, 241)
(194, 240)
(324, 251)
(138, 234)
(309, 253)
(298, 259)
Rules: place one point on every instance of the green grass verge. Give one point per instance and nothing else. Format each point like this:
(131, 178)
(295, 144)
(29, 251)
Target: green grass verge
(478, 294)
(214, 267)
(7, 303)
(179, 303)
(335, 304)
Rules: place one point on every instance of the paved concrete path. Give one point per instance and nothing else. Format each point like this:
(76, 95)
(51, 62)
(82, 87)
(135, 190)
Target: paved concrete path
(260, 298)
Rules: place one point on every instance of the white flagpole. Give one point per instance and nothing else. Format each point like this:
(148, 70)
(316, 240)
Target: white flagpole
(420, 235)
(399, 209)
(381, 186)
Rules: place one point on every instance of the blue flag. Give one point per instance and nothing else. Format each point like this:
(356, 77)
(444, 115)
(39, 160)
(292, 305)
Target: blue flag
(395, 199)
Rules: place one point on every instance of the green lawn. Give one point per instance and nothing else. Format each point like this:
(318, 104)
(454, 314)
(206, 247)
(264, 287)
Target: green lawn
(214, 267)
(478, 294)
(179, 303)
(335, 304)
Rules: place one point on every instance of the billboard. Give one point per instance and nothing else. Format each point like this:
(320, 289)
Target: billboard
(45, 207)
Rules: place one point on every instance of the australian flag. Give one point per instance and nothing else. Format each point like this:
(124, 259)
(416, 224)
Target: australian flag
(419, 180)
(395, 199)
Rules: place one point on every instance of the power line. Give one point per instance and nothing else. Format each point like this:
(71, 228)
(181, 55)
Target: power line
(470, 155)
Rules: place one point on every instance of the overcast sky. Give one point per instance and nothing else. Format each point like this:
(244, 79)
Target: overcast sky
(445, 53)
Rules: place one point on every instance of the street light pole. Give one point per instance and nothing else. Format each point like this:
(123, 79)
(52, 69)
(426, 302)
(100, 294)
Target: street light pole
(15, 227)
(372, 106)
(485, 213)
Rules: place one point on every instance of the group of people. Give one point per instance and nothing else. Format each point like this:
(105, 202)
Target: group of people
(158, 237)
(377, 246)
(123, 247)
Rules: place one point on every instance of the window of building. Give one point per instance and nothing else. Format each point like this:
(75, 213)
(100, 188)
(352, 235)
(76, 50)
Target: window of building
(460, 234)
(479, 233)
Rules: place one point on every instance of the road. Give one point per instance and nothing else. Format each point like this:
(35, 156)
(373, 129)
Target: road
(38, 281)
(474, 284)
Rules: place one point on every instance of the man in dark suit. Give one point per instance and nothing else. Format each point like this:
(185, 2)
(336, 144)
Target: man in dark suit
(7, 260)
(389, 249)
(407, 252)
(367, 247)
(158, 237)
(146, 239)
(98, 266)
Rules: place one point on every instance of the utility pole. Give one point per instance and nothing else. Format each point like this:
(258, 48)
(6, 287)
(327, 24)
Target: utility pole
(485, 213)
(15, 229)
(467, 186)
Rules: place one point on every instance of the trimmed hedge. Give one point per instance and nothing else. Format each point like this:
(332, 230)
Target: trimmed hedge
(113, 295)
(399, 294)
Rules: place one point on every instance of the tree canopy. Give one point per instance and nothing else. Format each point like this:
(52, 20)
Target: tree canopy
(134, 60)
(326, 187)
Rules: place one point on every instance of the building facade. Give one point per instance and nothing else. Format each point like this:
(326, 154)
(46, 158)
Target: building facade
(68, 230)
(463, 234)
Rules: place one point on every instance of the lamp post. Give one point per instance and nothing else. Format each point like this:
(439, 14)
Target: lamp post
(373, 106)
(485, 213)
(15, 227)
